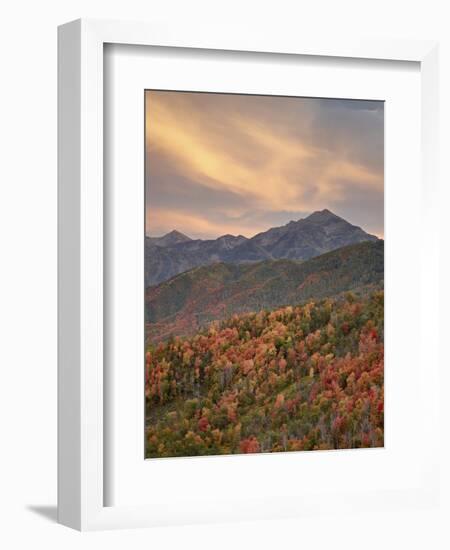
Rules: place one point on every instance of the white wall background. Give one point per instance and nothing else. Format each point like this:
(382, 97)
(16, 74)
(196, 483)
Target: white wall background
(28, 270)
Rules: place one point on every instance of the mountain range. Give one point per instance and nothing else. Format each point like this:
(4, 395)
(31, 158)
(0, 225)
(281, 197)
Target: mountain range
(192, 299)
(319, 233)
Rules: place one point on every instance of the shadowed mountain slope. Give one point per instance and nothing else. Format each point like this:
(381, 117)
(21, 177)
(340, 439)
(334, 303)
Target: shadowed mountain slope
(181, 305)
(317, 234)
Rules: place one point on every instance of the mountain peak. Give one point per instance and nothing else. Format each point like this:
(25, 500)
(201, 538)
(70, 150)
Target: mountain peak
(322, 216)
(322, 231)
(171, 238)
(175, 233)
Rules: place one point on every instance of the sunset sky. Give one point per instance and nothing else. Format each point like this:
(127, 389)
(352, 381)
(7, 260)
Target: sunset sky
(240, 164)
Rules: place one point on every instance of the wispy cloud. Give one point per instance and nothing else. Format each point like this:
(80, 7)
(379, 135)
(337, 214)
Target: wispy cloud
(213, 160)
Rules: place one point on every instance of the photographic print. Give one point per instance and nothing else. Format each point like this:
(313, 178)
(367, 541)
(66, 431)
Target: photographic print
(264, 274)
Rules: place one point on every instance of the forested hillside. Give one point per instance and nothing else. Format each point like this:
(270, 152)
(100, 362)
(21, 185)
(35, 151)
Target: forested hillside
(296, 378)
(190, 300)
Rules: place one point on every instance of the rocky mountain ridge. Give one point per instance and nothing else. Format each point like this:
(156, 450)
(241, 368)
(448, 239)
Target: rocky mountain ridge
(320, 232)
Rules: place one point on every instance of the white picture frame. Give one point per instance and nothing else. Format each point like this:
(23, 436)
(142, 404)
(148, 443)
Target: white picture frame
(81, 407)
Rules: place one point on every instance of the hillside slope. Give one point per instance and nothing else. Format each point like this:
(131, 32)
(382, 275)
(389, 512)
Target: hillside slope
(190, 300)
(294, 379)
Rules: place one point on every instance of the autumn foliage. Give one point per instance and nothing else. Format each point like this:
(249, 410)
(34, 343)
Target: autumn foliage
(294, 379)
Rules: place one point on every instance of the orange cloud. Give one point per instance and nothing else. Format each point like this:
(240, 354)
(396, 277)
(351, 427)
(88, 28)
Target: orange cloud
(248, 156)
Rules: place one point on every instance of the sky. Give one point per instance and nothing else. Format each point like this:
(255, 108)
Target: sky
(221, 164)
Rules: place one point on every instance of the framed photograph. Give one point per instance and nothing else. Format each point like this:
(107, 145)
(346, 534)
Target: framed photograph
(264, 328)
(246, 231)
